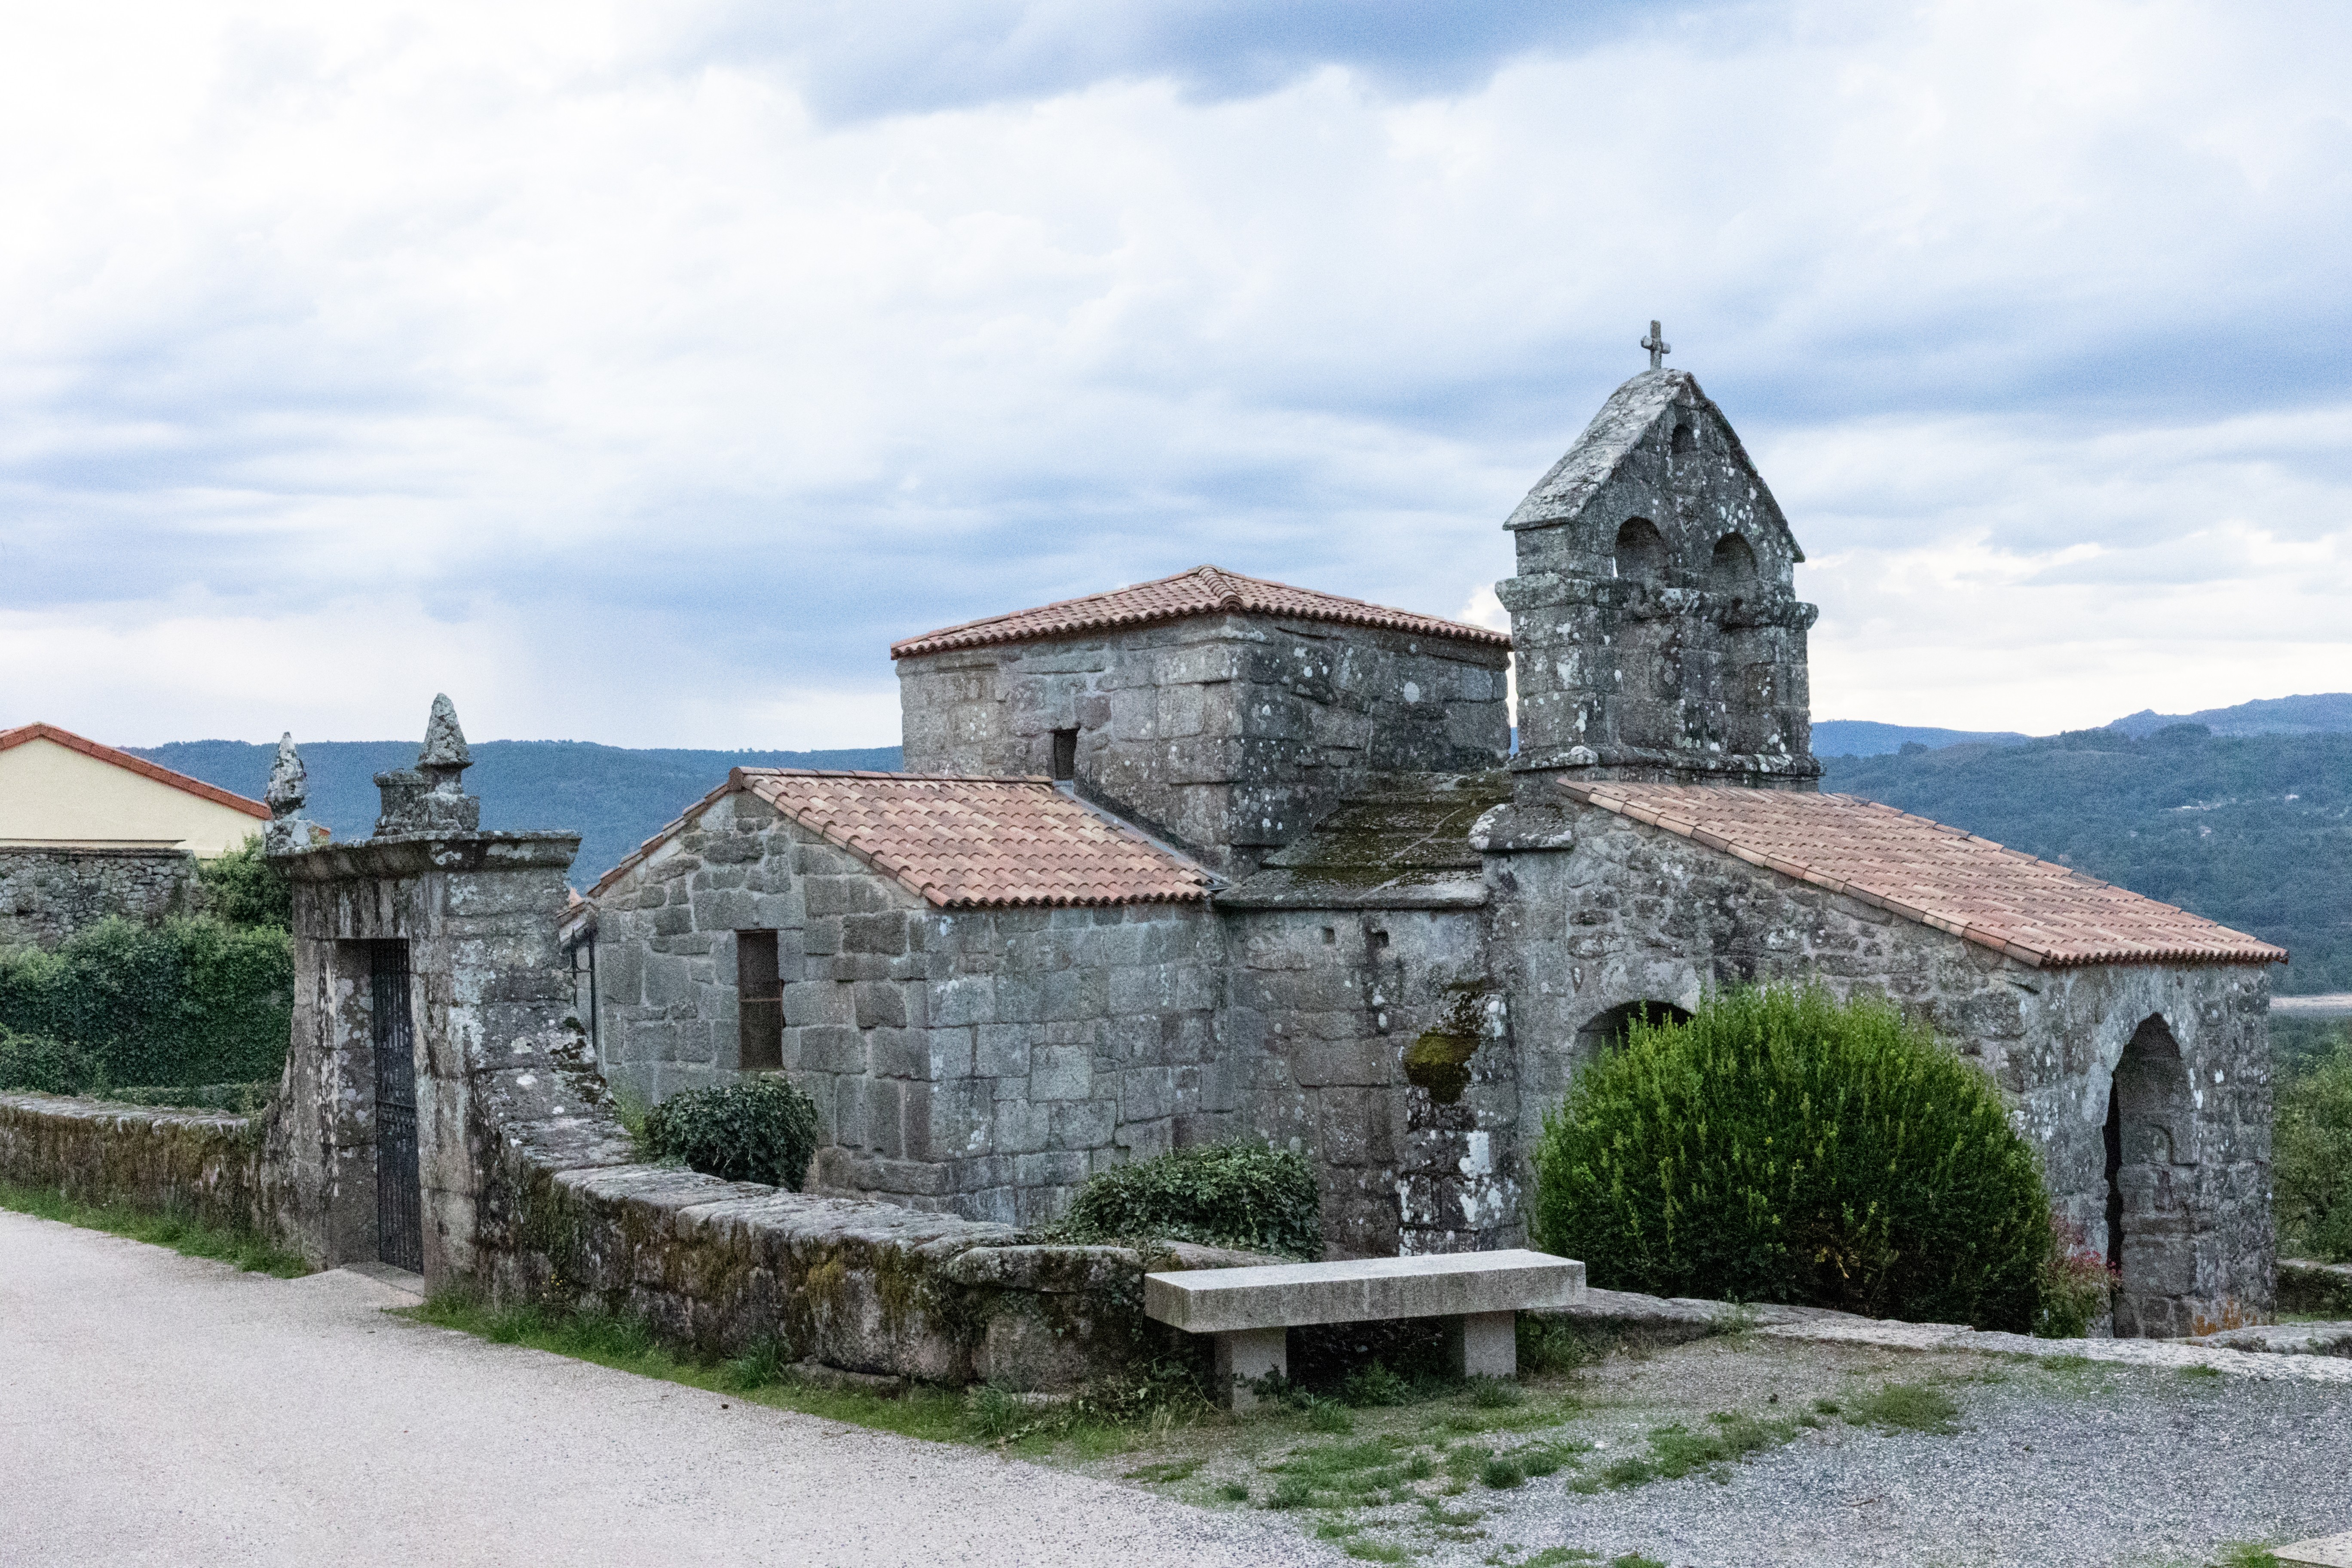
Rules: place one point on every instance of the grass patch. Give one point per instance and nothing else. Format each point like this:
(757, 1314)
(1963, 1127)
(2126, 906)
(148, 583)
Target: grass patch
(249, 1250)
(1676, 1451)
(2200, 1371)
(1496, 1393)
(1377, 1552)
(2246, 1554)
(1095, 1423)
(1907, 1408)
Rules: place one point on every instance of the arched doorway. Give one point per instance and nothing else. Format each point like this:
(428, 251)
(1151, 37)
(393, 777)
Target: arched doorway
(2151, 1168)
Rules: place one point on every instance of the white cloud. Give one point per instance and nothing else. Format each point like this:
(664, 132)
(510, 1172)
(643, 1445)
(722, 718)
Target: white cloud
(596, 368)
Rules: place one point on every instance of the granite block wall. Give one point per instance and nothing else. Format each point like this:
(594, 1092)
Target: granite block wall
(1375, 1040)
(1591, 911)
(1229, 735)
(204, 1163)
(50, 892)
(977, 1062)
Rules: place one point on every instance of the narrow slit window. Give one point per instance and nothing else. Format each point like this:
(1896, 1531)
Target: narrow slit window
(759, 1001)
(1065, 756)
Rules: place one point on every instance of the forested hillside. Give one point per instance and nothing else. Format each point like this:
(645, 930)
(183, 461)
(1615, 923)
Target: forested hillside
(612, 796)
(2253, 831)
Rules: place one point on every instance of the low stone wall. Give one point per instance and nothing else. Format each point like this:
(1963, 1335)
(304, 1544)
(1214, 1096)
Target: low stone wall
(570, 1216)
(50, 892)
(206, 1163)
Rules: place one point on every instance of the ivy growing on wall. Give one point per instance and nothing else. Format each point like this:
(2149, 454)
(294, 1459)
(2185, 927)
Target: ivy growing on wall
(190, 1001)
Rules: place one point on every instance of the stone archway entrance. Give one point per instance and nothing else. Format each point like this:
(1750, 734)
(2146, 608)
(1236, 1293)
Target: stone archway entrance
(2151, 1180)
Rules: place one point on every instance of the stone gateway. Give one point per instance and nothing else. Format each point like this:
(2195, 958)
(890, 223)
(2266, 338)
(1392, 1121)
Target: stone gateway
(1215, 857)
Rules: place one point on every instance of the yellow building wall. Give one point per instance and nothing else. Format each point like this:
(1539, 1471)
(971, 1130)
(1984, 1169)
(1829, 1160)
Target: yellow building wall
(51, 794)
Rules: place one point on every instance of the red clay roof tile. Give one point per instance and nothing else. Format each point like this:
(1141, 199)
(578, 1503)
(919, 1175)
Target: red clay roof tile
(1203, 591)
(2042, 914)
(968, 843)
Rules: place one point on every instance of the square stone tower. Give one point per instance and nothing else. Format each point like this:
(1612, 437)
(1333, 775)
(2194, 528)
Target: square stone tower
(1226, 713)
(1658, 633)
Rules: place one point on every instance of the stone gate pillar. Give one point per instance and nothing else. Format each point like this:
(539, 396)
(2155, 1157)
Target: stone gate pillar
(454, 930)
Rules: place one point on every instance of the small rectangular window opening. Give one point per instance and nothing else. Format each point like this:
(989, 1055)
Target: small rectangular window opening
(759, 1001)
(1331, 935)
(1065, 756)
(1380, 939)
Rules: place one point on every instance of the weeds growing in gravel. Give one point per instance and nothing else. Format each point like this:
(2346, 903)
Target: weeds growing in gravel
(183, 1234)
(2246, 1554)
(1906, 1406)
(1676, 1451)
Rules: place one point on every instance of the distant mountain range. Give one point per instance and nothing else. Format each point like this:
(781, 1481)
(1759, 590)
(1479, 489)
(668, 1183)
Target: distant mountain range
(1862, 738)
(614, 798)
(2324, 714)
(2327, 713)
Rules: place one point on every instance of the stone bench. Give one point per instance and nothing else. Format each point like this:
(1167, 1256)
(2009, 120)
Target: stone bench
(1251, 1311)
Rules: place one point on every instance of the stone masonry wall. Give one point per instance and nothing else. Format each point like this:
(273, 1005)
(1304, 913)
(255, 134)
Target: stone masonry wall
(1373, 1040)
(1229, 735)
(569, 1217)
(1591, 910)
(48, 893)
(981, 1062)
(204, 1163)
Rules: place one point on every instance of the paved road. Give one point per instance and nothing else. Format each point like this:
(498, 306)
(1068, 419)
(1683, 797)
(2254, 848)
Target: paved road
(155, 1409)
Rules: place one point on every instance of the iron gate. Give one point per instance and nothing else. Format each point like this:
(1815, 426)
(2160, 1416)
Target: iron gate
(399, 1207)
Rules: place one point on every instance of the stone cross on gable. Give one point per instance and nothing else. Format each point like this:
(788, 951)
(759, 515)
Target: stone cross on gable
(1658, 346)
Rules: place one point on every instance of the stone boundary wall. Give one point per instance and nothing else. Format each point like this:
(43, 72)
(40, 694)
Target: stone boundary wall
(569, 1214)
(48, 892)
(206, 1163)
(570, 1217)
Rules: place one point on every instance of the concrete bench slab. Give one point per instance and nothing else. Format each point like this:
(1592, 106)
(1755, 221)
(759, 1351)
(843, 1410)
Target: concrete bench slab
(2327, 1551)
(1251, 1311)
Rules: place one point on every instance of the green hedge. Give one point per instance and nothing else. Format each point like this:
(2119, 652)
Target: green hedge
(2310, 1152)
(1241, 1195)
(1782, 1146)
(245, 890)
(758, 1130)
(190, 1001)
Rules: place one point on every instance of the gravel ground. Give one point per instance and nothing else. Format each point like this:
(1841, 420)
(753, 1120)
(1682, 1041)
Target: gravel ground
(2059, 1467)
(2054, 1464)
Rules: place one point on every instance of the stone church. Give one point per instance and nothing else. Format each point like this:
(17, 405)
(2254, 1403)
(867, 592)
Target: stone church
(1212, 857)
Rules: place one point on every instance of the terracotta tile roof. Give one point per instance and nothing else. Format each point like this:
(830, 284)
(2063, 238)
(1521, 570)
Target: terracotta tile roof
(1203, 591)
(139, 765)
(2036, 912)
(967, 843)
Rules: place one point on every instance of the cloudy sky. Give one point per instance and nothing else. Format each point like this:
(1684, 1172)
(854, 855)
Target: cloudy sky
(635, 373)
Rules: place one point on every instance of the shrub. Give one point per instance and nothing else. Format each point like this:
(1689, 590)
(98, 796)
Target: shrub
(245, 890)
(51, 1067)
(758, 1130)
(1240, 1195)
(190, 1001)
(2077, 1285)
(1782, 1146)
(2311, 1158)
